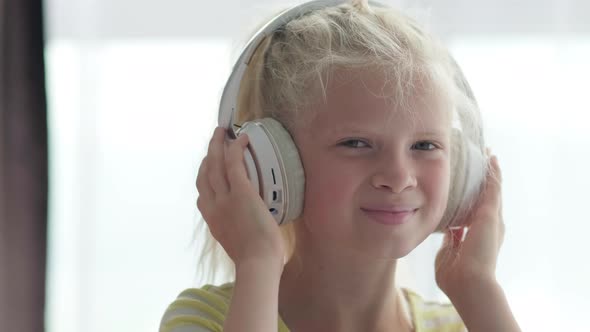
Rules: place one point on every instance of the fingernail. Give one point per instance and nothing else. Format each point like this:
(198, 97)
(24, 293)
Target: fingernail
(494, 158)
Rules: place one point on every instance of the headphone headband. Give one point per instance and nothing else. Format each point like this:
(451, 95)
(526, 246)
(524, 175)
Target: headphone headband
(229, 98)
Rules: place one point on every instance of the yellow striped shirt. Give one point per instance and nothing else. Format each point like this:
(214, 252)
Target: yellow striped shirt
(204, 310)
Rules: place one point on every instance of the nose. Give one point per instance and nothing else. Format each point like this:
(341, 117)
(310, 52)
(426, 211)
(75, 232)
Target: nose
(395, 173)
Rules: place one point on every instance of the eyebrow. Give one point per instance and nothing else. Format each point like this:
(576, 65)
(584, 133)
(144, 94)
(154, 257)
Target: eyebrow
(340, 130)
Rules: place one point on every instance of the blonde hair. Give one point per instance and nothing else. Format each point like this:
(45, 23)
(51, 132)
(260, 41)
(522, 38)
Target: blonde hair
(291, 69)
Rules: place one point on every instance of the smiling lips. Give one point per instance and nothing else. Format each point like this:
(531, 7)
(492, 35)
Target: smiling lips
(390, 216)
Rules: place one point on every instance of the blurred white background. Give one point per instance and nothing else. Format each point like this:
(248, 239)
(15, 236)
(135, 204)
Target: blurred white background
(133, 90)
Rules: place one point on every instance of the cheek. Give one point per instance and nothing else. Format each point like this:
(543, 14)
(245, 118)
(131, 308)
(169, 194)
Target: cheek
(436, 187)
(327, 185)
(328, 191)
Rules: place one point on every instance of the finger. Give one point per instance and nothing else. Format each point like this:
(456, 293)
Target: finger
(448, 252)
(496, 172)
(499, 179)
(494, 167)
(493, 187)
(457, 237)
(203, 186)
(236, 170)
(216, 164)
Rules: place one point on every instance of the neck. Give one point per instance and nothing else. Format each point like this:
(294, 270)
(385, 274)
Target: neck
(325, 289)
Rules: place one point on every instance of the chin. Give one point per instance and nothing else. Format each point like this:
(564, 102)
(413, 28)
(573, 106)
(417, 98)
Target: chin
(401, 250)
(388, 250)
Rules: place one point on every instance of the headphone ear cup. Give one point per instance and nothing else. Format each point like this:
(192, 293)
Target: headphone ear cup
(291, 167)
(468, 170)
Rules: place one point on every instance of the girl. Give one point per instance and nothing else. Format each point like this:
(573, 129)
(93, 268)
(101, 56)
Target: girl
(372, 104)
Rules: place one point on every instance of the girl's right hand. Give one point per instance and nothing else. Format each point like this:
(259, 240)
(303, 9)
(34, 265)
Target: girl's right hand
(236, 215)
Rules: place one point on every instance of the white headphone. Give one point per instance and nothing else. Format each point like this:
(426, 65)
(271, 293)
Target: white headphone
(272, 159)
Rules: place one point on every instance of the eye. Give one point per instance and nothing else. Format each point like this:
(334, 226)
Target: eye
(354, 143)
(425, 145)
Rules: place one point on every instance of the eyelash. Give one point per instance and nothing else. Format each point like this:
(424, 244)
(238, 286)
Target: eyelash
(430, 143)
(344, 143)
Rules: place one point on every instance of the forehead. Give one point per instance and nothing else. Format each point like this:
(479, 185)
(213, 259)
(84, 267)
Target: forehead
(367, 98)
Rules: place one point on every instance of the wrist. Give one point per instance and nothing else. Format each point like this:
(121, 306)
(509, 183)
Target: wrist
(471, 290)
(483, 306)
(469, 283)
(260, 265)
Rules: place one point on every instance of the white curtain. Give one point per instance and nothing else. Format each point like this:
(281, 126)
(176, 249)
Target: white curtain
(133, 90)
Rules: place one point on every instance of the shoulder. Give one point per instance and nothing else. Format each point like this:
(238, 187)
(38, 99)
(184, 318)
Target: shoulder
(198, 310)
(430, 316)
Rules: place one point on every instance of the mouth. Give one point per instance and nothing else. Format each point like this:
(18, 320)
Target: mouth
(390, 217)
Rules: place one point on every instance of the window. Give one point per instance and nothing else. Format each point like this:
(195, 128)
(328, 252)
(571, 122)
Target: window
(129, 124)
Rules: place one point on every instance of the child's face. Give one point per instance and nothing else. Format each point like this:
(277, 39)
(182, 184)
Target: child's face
(359, 153)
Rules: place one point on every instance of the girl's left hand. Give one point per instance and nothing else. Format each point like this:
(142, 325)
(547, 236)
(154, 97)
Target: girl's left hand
(464, 263)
